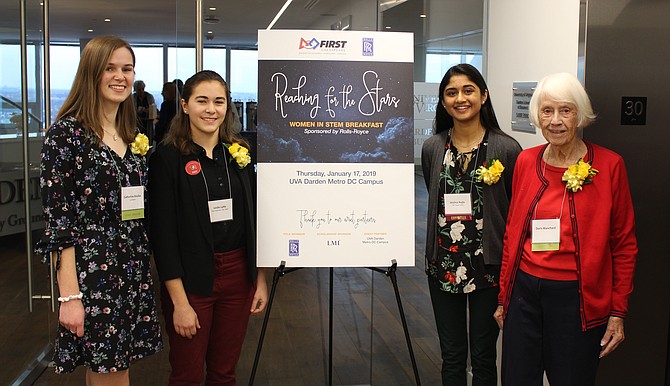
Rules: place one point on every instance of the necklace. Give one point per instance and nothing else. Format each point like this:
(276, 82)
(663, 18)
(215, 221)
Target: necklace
(114, 137)
(469, 145)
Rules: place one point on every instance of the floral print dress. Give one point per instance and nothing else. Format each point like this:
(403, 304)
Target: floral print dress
(459, 266)
(80, 183)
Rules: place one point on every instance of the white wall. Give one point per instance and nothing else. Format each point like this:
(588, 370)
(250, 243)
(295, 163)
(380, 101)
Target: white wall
(526, 40)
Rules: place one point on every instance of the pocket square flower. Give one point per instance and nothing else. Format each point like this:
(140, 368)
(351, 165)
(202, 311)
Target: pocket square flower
(239, 153)
(140, 145)
(578, 175)
(490, 174)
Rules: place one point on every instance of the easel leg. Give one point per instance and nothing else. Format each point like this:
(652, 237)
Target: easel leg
(279, 272)
(330, 331)
(391, 273)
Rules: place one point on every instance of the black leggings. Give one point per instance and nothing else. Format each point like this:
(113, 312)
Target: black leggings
(450, 317)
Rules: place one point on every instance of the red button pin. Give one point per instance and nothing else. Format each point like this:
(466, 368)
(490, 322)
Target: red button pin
(193, 168)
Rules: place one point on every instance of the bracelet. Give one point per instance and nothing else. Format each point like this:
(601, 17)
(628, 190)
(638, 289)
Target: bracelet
(78, 296)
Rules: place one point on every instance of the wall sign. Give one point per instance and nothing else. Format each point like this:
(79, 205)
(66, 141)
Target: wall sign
(633, 110)
(521, 94)
(12, 204)
(425, 103)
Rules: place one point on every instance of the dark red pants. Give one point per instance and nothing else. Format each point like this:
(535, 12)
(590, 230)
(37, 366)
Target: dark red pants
(223, 318)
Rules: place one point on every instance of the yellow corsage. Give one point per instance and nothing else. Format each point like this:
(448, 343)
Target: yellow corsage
(140, 145)
(240, 154)
(578, 174)
(491, 174)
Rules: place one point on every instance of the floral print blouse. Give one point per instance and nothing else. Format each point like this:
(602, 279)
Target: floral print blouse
(459, 266)
(81, 185)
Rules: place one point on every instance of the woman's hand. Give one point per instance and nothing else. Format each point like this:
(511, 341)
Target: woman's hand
(613, 336)
(185, 321)
(261, 295)
(498, 316)
(184, 318)
(71, 313)
(71, 316)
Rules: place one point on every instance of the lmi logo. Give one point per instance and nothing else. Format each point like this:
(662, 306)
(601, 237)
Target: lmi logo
(333, 243)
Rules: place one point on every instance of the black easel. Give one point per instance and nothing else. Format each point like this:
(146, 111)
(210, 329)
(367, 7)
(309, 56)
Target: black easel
(282, 270)
(394, 280)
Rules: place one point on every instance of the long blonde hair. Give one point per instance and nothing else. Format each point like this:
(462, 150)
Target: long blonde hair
(83, 102)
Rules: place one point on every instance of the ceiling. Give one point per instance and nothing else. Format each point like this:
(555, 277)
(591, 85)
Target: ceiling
(452, 25)
(172, 21)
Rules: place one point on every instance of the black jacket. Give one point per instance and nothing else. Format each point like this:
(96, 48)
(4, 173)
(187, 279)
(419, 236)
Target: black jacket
(179, 226)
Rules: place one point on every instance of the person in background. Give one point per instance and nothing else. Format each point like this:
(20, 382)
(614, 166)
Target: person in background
(179, 84)
(570, 247)
(167, 112)
(93, 175)
(237, 121)
(467, 166)
(202, 202)
(146, 109)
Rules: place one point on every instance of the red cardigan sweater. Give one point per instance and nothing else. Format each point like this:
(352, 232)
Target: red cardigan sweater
(604, 232)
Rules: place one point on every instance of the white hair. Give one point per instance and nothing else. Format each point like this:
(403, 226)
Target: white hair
(564, 88)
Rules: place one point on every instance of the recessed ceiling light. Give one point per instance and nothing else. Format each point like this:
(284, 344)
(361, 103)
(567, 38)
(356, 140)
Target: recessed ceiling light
(107, 20)
(423, 15)
(387, 27)
(212, 8)
(211, 19)
(90, 30)
(210, 32)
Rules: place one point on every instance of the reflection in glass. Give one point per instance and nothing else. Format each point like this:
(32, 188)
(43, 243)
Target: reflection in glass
(10, 92)
(244, 75)
(148, 69)
(181, 62)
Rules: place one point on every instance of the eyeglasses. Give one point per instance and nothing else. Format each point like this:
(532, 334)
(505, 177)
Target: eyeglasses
(565, 112)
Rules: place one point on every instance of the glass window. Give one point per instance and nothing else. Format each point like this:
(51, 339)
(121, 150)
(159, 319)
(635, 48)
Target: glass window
(64, 64)
(181, 63)
(149, 69)
(244, 75)
(10, 91)
(215, 59)
(244, 83)
(438, 64)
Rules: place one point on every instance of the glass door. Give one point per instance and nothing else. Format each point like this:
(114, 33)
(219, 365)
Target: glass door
(26, 324)
(157, 30)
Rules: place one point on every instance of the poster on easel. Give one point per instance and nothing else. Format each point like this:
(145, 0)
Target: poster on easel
(335, 161)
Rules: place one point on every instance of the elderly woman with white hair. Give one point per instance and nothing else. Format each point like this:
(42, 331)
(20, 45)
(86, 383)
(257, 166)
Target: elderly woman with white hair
(570, 248)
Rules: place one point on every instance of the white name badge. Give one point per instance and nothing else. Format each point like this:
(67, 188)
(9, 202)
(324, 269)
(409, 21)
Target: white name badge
(458, 206)
(221, 210)
(132, 202)
(546, 235)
